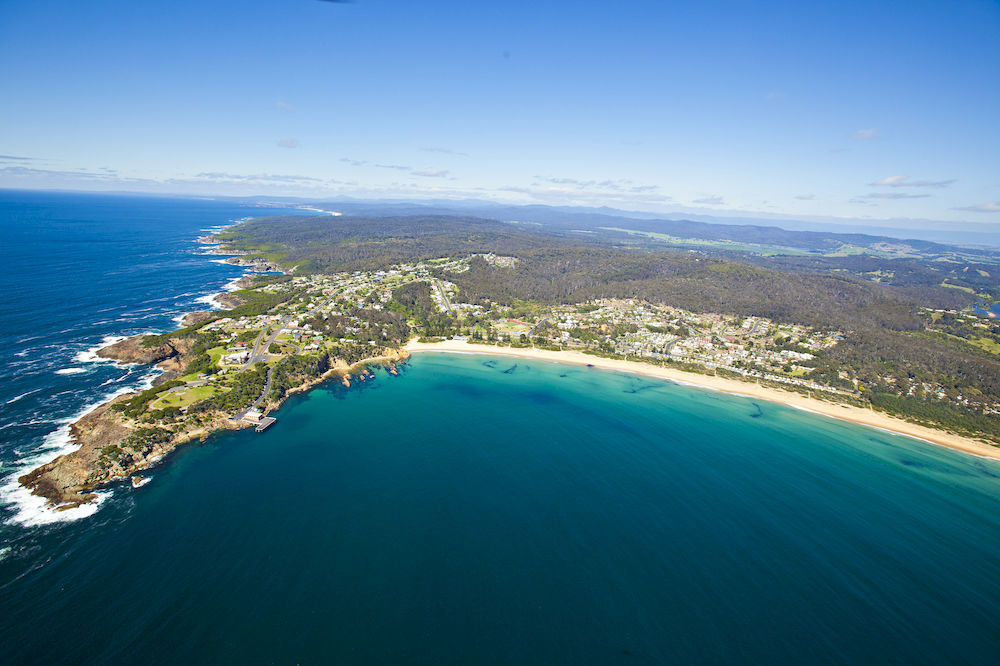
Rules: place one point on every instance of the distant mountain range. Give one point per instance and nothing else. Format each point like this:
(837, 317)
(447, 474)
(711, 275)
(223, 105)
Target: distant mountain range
(727, 235)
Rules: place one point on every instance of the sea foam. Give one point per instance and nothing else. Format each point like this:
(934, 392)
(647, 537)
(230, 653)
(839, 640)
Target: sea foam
(90, 355)
(23, 395)
(32, 510)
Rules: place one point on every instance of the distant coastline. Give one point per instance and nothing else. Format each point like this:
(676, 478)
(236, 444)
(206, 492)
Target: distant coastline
(850, 413)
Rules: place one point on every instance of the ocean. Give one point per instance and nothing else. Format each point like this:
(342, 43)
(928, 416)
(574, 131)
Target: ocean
(472, 510)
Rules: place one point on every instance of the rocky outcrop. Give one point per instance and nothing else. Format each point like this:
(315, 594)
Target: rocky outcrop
(135, 350)
(165, 377)
(228, 301)
(195, 318)
(66, 481)
(177, 362)
(257, 265)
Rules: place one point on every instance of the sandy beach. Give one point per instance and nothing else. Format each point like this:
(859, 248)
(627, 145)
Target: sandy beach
(846, 412)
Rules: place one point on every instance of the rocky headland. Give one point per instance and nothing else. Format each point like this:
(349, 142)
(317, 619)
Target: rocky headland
(256, 265)
(227, 300)
(196, 318)
(113, 446)
(138, 349)
(108, 450)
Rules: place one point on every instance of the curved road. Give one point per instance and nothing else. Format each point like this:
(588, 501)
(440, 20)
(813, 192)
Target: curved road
(259, 353)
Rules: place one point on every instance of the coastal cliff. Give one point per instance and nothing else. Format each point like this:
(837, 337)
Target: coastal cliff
(227, 300)
(255, 264)
(137, 350)
(63, 481)
(195, 318)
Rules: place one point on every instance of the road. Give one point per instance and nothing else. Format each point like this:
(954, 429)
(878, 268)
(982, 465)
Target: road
(267, 389)
(444, 296)
(256, 403)
(259, 351)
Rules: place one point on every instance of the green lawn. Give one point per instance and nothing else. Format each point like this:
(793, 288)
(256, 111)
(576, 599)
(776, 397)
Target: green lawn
(765, 250)
(183, 398)
(958, 286)
(988, 344)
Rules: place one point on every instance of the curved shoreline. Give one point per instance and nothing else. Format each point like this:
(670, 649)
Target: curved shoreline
(849, 413)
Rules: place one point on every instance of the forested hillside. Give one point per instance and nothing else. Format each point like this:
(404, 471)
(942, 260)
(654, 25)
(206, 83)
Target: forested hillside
(323, 244)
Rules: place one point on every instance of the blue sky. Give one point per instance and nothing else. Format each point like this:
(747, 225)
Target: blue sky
(841, 109)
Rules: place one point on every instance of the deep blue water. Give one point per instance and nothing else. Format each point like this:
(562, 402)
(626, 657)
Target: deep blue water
(476, 509)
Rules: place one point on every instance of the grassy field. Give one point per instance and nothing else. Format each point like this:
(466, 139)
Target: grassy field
(988, 344)
(969, 290)
(765, 250)
(510, 328)
(183, 398)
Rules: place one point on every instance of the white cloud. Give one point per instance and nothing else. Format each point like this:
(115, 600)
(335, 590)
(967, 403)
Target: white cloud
(891, 181)
(222, 176)
(710, 201)
(445, 151)
(621, 185)
(805, 197)
(866, 134)
(893, 195)
(567, 191)
(284, 106)
(83, 175)
(904, 181)
(989, 207)
(288, 143)
(427, 172)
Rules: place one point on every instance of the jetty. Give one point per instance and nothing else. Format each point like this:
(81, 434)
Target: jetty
(263, 422)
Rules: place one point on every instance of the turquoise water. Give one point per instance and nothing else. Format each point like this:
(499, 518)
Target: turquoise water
(490, 510)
